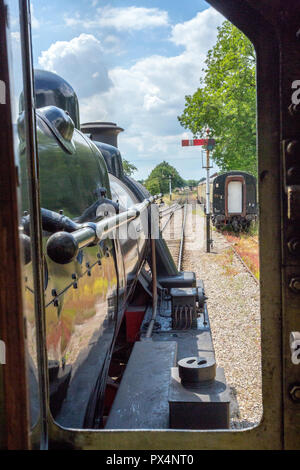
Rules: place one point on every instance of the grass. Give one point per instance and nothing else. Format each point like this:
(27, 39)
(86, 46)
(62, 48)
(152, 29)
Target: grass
(226, 260)
(253, 229)
(167, 200)
(247, 247)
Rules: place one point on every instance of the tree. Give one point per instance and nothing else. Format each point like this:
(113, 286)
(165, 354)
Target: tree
(129, 168)
(226, 101)
(158, 180)
(192, 183)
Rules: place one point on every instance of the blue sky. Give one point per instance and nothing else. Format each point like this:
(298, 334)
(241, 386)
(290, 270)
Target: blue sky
(131, 62)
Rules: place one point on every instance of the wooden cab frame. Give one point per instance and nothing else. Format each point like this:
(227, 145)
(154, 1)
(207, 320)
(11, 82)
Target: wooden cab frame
(273, 31)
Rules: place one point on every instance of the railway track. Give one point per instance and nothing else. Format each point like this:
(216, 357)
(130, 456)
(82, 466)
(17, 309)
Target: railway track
(241, 259)
(168, 210)
(244, 264)
(169, 214)
(176, 233)
(175, 236)
(254, 239)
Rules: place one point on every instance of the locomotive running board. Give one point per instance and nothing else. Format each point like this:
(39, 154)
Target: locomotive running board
(182, 279)
(142, 398)
(151, 396)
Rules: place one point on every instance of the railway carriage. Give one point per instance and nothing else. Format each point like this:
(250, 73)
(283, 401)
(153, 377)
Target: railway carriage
(233, 199)
(201, 191)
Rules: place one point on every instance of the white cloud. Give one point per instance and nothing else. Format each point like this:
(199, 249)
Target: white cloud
(113, 45)
(74, 20)
(144, 98)
(79, 61)
(152, 102)
(198, 33)
(150, 94)
(123, 19)
(147, 97)
(132, 18)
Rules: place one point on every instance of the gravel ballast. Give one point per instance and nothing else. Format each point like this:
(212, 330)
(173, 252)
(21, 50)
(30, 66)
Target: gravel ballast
(234, 312)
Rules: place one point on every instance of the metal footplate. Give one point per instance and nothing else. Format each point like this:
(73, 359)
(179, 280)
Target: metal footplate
(142, 399)
(198, 395)
(154, 393)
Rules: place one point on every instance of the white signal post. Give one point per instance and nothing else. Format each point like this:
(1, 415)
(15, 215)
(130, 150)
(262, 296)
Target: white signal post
(207, 184)
(170, 187)
(209, 146)
(208, 235)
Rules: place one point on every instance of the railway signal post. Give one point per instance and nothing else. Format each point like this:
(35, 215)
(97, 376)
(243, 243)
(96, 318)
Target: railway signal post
(170, 187)
(209, 144)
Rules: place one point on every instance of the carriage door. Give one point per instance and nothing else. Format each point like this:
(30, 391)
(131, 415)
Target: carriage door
(235, 197)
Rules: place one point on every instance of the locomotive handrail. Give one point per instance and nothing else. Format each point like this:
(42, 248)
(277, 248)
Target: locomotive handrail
(63, 247)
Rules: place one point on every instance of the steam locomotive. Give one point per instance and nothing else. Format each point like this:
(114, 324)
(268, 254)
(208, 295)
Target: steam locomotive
(106, 270)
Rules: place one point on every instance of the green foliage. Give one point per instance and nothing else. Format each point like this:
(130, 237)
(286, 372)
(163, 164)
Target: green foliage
(192, 182)
(253, 229)
(226, 101)
(129, 168)
(158, 180)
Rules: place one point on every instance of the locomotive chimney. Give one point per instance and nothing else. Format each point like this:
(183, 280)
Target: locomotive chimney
(106, 132)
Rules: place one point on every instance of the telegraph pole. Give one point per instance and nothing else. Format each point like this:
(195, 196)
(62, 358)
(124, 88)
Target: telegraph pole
(209, 143)
(208, 239)
(170, 187)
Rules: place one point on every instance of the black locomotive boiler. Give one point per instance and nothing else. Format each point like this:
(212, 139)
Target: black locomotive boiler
(233, 199)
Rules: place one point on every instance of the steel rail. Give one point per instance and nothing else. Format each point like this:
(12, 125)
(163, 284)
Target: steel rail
(167, 221)
(170, 209)
(162, 216)
(154, 277)
(182, 237)
(254, 239)
(240, 258)
(243, 262)
(164, 212)
(170, 217)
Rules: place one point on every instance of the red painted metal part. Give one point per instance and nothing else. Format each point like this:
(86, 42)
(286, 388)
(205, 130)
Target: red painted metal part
(110, 393)
(209, 142)
(134, 317)
(186, 143)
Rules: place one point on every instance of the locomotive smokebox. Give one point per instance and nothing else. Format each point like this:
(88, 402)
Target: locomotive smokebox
(106, 132)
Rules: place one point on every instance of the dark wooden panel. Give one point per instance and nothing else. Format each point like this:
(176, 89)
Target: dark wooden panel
(11, 312)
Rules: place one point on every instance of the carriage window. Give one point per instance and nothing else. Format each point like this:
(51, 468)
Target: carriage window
(173, 86)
